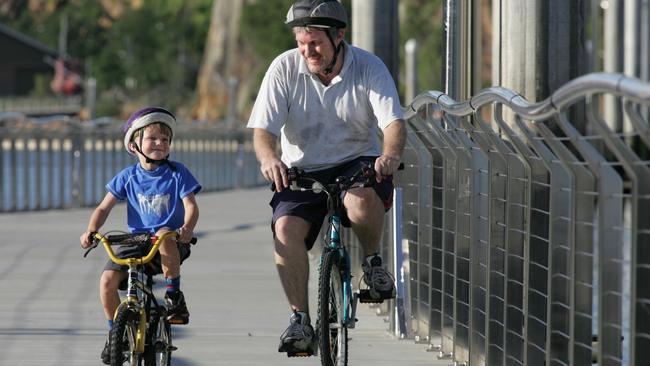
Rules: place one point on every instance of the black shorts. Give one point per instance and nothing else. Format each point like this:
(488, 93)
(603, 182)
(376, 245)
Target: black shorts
(312, 207)
(135, 251)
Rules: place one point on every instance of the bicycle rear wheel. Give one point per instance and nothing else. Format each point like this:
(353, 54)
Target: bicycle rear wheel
(123, 336)
(333, 333)
(158, 351)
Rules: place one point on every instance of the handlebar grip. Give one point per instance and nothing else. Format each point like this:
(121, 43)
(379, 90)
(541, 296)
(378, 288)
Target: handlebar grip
(273, 187)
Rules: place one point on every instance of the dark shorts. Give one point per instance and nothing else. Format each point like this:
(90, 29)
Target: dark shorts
(135, 251)
(312, 207)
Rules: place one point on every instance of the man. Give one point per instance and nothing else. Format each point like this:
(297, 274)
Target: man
(327, 101)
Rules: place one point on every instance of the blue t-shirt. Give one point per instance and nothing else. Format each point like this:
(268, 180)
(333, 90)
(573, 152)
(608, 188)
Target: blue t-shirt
(154, 198)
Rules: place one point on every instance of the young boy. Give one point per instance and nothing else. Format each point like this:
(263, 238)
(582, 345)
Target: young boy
(160, 198)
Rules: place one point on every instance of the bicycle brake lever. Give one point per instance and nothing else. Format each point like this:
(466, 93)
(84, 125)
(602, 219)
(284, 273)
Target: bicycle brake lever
(89, 249)
(95, 242)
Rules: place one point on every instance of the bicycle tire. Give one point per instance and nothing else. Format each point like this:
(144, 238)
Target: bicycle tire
(332, 332)
(159, 340)
(123, 337)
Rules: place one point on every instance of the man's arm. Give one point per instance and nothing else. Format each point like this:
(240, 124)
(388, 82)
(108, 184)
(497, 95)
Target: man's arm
(272, 168)
(394, 140)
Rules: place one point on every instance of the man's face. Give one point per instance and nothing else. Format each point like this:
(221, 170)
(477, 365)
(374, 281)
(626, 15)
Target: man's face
(315, 48)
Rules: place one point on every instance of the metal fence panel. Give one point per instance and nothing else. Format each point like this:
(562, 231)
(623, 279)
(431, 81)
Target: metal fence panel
(49, 166)
(536, 233)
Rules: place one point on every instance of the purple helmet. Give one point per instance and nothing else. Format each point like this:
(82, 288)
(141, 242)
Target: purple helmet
(145, 117)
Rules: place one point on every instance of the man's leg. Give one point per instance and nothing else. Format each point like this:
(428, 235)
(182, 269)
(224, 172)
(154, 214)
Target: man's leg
(293, 268)
(291, 260)
(366, 213)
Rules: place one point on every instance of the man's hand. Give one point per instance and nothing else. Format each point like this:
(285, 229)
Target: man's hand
(274, 170)
(385, 165)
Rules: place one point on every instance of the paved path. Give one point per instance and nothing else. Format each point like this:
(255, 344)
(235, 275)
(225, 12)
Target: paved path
(50, 312)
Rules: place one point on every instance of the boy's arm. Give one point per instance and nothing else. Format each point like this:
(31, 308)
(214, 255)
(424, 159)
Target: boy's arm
(98, 218)
(191, 217)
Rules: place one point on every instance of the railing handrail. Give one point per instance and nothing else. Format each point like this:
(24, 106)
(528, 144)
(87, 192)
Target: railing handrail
(594, 83)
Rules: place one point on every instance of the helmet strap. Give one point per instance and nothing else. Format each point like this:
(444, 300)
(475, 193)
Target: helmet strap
(152, 161)
(337, 49)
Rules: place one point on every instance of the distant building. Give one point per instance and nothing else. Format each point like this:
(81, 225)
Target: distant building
(22, 59)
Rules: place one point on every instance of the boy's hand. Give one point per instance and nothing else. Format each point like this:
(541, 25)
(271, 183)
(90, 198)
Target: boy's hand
(185, 234)
(85, 241)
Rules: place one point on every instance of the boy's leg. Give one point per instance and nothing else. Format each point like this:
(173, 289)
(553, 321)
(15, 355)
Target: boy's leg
(108, 285)
(171, 265)
(169, 256)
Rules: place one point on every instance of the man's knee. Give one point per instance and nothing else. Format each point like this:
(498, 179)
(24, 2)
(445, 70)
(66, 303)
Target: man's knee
(362, 202)
(290, 229)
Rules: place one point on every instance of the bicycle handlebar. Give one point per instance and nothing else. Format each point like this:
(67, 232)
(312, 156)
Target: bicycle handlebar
(131, 239)
(365, 176)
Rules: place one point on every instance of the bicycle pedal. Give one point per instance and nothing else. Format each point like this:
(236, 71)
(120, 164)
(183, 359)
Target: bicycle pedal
(173, 321)
(300, 354)
(366, 298)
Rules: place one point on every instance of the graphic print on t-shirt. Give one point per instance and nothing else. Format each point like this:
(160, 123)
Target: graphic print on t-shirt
(154, 204)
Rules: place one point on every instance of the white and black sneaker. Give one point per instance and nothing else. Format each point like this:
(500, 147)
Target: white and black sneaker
(381, 284)
(299, 336)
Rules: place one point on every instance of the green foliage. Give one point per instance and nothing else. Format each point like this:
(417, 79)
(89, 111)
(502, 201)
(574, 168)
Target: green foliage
(264, 29)
(422, 20)
(157, 46)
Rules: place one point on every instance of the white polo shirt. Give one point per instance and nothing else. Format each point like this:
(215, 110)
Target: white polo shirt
(322, 126)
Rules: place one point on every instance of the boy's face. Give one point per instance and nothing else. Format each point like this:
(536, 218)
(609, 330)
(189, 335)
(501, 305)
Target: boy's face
(155, 144)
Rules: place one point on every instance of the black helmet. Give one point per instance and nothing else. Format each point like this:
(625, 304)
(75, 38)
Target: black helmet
(317, 13)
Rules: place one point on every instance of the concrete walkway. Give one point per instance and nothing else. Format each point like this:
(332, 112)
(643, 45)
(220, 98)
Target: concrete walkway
(50, 312)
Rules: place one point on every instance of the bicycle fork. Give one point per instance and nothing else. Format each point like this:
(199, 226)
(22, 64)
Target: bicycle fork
(350, 299)
(131, 303)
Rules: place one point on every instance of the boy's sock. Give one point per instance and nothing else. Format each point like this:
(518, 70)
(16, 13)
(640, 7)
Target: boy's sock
(110, 324)
(173, 284)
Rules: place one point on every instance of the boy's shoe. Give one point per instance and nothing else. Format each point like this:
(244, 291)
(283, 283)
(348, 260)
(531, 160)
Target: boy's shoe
(299, 336)
(106, 353)
(380, 282)
(176, 308)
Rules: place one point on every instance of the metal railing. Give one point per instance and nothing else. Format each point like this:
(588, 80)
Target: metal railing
(42, 105)
(63, 165)
(525, 241)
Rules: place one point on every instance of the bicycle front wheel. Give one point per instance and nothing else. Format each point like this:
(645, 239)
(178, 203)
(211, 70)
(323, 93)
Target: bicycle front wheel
(332, 331)
(158, 351)
(123, 338)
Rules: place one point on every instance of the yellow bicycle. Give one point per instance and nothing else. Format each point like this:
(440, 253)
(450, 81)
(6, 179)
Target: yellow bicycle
(141, 330)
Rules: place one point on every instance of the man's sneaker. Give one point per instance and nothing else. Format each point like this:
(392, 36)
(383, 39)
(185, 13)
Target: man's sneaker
(380, 282)
(298, 339)
(176, 308)
(106, 353)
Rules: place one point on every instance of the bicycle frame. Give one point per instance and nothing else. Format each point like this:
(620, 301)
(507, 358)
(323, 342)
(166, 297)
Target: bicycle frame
(132, 300)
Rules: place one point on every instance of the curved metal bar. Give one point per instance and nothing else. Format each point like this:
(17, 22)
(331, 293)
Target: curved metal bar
(594, 83)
